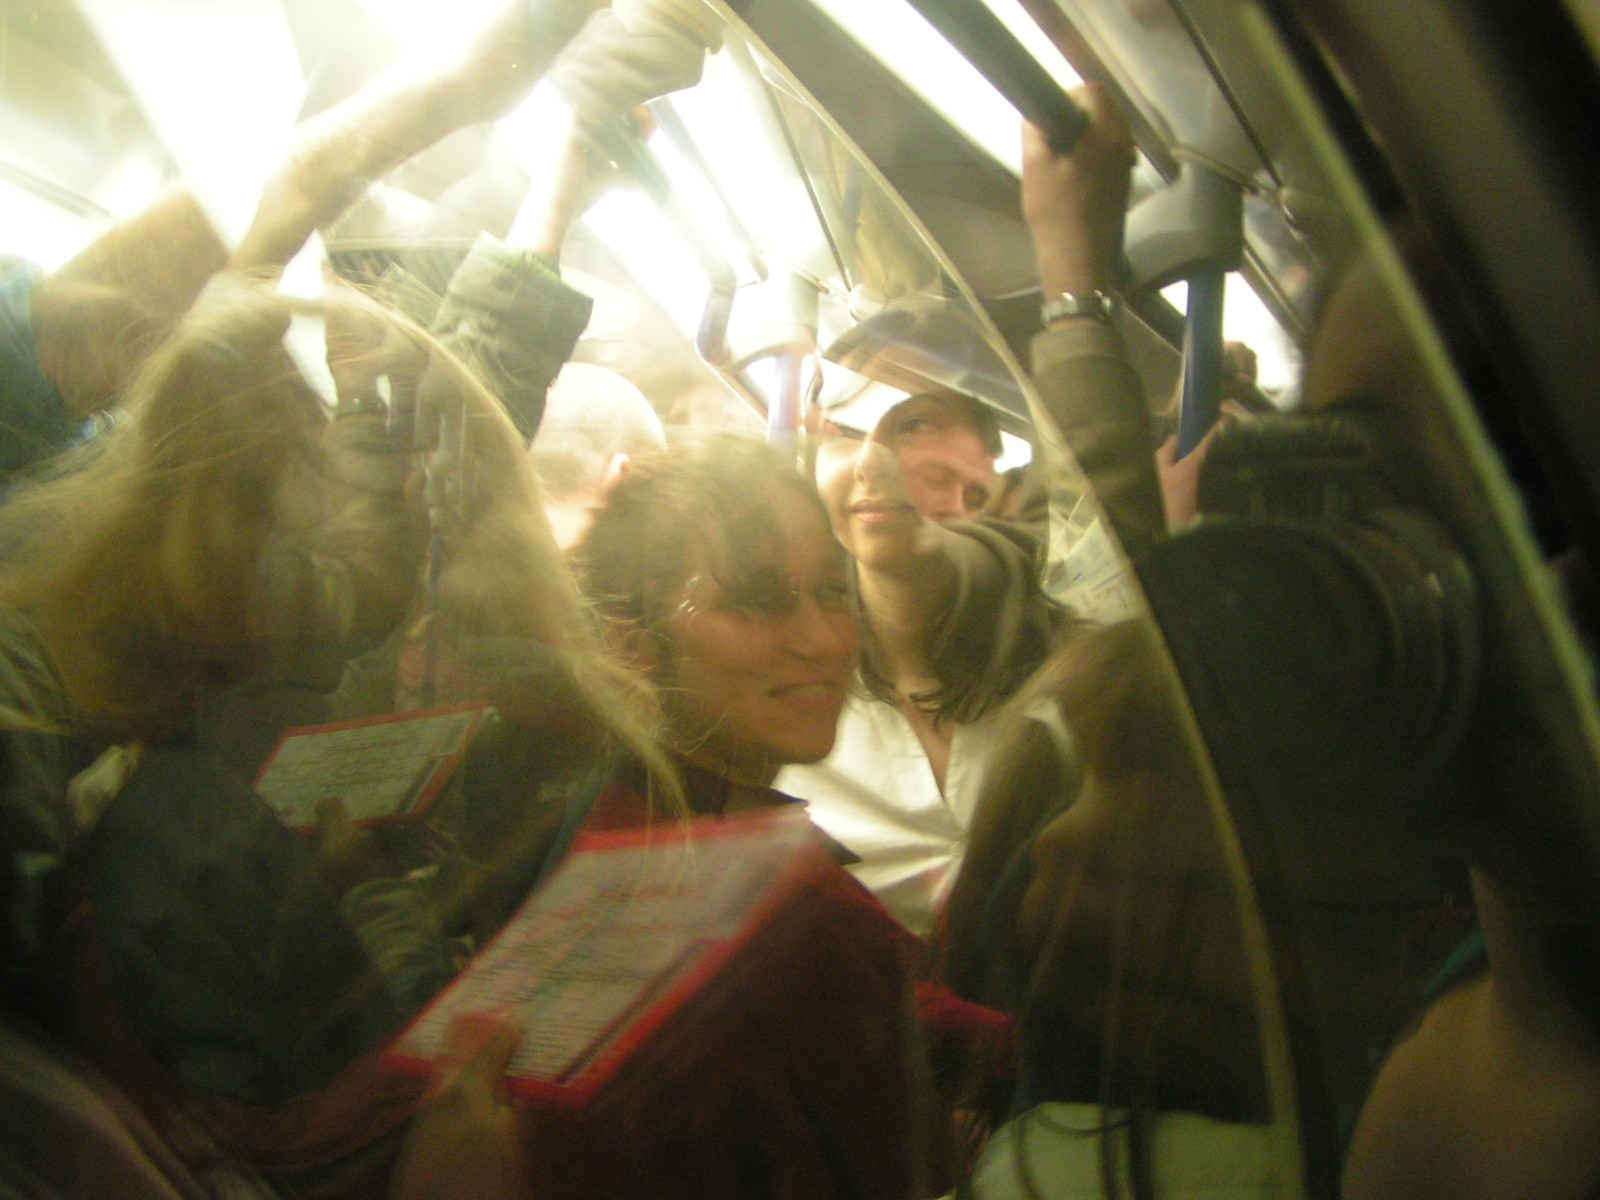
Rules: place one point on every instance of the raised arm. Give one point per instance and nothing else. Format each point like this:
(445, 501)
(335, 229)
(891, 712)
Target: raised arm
(1074, 205)
(93, 320)
(506, 312)
(339, 152)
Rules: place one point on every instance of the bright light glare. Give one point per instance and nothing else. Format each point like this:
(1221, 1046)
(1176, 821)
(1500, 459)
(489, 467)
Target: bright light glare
(1246, 319)
(131, 186)
(898, 36)
(536, 130)
(740, 145)
(34, 229)
(654, 253)
(696, 197)
(224, 151)
(419, 23)
(763, 374)
(1015, 453)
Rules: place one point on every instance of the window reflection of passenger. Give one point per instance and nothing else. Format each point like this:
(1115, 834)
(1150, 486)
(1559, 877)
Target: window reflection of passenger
(947, 447)
(1098, 904)
(1494, 1091)
(228, 535)
(954, 621)
(69, 340)
(198, 551)
(135, 577)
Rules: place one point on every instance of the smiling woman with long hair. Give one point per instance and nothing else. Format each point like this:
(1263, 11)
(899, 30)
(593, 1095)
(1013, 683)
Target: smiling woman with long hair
(795, 1072)
(717, 566)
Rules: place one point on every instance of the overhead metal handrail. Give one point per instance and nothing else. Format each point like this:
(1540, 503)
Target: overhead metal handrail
(999, 57)
(622, 147)
(672, 124)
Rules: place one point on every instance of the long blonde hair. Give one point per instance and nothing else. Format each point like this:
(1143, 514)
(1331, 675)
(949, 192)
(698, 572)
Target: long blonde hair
(227, 516)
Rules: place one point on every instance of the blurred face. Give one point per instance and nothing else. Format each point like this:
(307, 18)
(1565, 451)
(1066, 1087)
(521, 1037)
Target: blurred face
(367, 483)
(756, 680)
(869, 501)
(949, 475)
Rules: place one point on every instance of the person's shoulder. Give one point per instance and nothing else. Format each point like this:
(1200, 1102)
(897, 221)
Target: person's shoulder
(1003, 536)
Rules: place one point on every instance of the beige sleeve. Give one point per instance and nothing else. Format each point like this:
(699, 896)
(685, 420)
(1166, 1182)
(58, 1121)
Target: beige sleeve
(1093, 396)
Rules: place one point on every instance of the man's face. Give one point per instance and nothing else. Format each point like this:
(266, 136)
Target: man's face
(948, 472)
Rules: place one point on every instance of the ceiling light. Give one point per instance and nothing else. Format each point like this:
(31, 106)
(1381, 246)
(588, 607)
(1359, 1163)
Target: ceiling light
(897, 35)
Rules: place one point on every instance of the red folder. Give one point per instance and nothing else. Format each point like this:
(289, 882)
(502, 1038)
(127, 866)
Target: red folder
(383, 769)
(630, 926)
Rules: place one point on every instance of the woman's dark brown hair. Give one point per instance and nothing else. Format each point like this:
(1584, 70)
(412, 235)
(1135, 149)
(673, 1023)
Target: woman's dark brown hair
(1129, 980)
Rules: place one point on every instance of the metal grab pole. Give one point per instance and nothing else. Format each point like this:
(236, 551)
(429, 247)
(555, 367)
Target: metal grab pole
(783, 416)
(988, 45)
(1202, 358)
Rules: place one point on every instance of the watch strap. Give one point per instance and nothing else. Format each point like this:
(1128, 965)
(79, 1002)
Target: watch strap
(1096, 304)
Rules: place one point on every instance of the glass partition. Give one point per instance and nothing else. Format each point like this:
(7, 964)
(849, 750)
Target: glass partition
(1393, 814)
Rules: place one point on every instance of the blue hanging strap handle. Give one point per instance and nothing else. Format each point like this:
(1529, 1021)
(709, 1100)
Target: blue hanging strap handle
(1192, 229)
(1201, 403)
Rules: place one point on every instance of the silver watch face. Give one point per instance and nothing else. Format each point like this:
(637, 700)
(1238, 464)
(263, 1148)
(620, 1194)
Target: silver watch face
(1071, 304)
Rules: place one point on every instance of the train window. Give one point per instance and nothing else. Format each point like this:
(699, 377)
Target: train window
(469, 471)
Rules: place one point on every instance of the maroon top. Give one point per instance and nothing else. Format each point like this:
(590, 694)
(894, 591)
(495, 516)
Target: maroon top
(796, 1073)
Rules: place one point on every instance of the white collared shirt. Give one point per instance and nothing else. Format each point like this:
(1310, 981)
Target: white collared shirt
(1054, 1150)
(875, 794)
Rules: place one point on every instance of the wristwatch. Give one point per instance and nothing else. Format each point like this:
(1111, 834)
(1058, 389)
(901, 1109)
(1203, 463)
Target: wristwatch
(1099, 305)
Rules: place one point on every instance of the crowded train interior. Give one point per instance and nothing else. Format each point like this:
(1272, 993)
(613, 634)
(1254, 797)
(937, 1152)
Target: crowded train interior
(799, 599)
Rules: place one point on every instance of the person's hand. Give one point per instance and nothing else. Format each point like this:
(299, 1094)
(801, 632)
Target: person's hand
(1075, 203)
(632, 53)
(1180, 477)
(347, 854)
(467, 1139)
